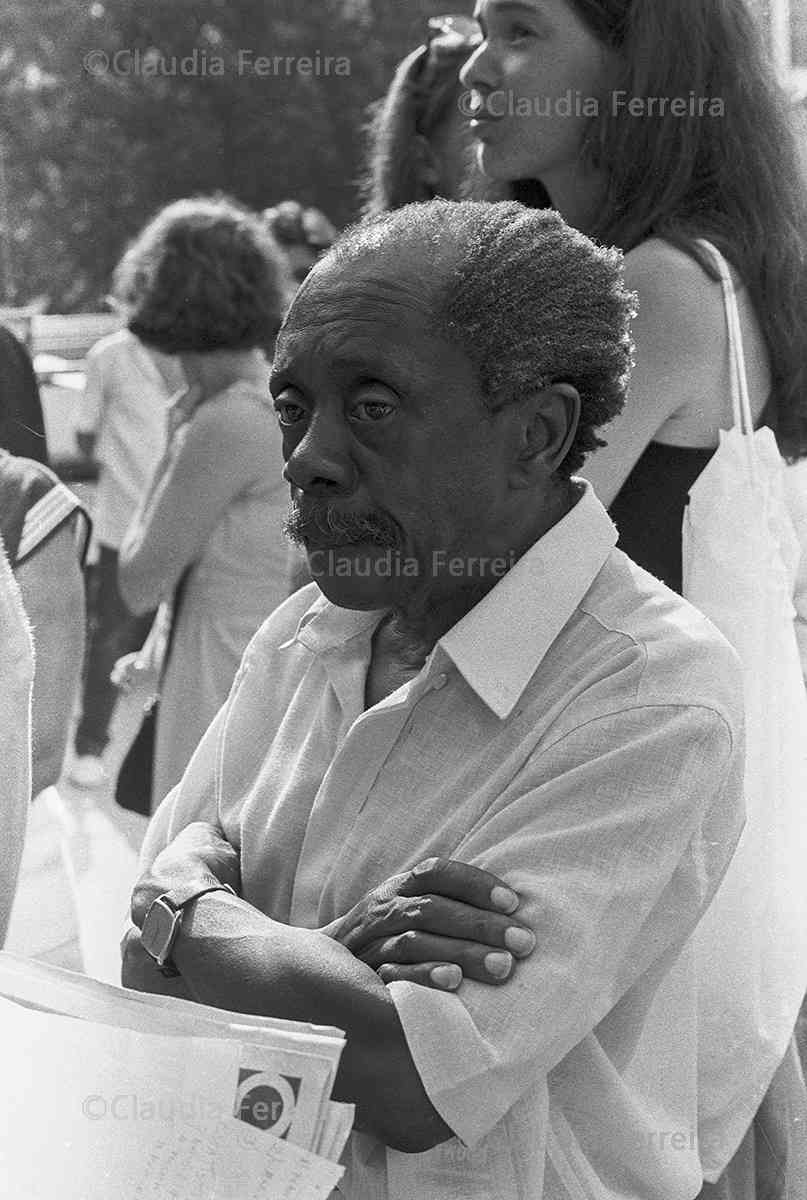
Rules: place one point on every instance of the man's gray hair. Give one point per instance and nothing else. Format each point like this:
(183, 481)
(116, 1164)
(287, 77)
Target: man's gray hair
(530, 300)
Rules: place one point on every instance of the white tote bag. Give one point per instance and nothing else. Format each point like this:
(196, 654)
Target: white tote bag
(740, 559)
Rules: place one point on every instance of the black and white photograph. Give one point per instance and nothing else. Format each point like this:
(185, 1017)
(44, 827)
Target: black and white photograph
(403, 599)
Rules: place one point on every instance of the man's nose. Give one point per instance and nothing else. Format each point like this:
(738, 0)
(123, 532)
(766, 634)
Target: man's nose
(320, 463)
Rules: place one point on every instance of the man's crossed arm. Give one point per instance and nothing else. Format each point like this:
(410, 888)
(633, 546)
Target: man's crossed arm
(234, 957)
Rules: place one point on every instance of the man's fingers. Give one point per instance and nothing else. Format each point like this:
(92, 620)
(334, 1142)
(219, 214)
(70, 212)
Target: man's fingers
(487, 964)
(445, 977)
(459, 881)
(454, 919)
(442, 917)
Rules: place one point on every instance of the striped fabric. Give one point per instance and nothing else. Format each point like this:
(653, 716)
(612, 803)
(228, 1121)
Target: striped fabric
(33, 505)
(55, 507)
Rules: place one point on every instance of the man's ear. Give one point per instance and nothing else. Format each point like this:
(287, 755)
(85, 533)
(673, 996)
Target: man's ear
(549, 424)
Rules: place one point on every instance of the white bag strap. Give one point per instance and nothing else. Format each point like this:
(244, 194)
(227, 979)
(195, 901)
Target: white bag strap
(741, 405)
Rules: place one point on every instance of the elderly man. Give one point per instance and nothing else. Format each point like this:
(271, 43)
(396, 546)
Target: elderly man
(477, 674)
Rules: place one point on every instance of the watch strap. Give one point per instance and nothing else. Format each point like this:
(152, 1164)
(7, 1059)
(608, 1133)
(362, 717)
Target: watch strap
(179, 896)
(175, 902)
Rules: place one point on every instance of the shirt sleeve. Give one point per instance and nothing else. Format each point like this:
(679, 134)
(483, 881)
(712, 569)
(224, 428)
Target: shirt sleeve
(199, 796)
(196, 796)
(193, 798)
(49, 513)
(615, 837)
(33, 505)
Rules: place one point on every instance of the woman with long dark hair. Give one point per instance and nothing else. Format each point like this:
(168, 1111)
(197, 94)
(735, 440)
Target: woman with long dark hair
(655, 126)
(651, 126)
(418, 144)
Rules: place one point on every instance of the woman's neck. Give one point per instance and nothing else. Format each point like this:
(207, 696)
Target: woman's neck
(577, 193)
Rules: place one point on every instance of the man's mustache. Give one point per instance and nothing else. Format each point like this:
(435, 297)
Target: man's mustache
(327, 524)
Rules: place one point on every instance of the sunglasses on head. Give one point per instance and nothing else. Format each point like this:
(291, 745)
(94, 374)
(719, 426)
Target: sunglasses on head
(450, 40)
(455, 30)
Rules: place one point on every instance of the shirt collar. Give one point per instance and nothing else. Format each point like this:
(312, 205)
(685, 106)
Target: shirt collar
(324, 626)
(500, 643)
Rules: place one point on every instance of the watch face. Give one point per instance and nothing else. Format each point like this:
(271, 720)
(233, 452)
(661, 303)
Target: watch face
(158, 930)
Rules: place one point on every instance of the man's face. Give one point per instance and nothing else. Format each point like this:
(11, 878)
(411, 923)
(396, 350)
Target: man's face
(396, 467)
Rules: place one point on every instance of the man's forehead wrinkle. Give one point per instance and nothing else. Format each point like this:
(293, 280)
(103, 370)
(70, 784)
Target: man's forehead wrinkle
(369, 323)
(395, 271)
(361, 300)
(333, 342)
(350, 306)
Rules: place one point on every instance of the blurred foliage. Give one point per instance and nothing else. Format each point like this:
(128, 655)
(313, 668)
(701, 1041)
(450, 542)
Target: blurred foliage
(799, 21)
(113, 108)
(88, 152)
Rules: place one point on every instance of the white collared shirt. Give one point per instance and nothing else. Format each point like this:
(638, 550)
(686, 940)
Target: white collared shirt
(578, 733)
(126, 399)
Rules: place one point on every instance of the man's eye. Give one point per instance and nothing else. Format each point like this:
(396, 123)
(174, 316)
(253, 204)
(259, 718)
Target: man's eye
(289, 413)
(372, 410)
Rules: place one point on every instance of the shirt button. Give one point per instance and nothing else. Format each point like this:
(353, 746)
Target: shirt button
(440, 681)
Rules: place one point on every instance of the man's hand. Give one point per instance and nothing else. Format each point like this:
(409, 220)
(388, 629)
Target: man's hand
(139, 970)
(436, 924)
(198, 852)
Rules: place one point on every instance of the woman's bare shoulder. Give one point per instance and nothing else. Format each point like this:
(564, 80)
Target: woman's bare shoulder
(673, 286)
(681, 337)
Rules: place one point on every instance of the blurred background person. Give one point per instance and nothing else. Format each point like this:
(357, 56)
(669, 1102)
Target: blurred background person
(122, 423)
(17, 673)
(204, 282)
(419, 145)
(45, 531)
(303, 235)
(22, 425)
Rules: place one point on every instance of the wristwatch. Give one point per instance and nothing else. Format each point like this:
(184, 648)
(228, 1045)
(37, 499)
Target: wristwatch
(164, 918)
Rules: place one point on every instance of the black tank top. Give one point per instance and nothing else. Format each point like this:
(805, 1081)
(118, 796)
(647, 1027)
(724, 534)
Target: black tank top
(649, 509)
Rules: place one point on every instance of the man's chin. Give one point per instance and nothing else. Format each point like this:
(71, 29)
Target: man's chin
(362, 576)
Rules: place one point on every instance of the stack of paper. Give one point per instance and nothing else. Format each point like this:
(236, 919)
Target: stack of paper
(111, 1092)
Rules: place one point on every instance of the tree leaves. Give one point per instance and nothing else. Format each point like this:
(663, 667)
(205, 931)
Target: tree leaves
(112, 109)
